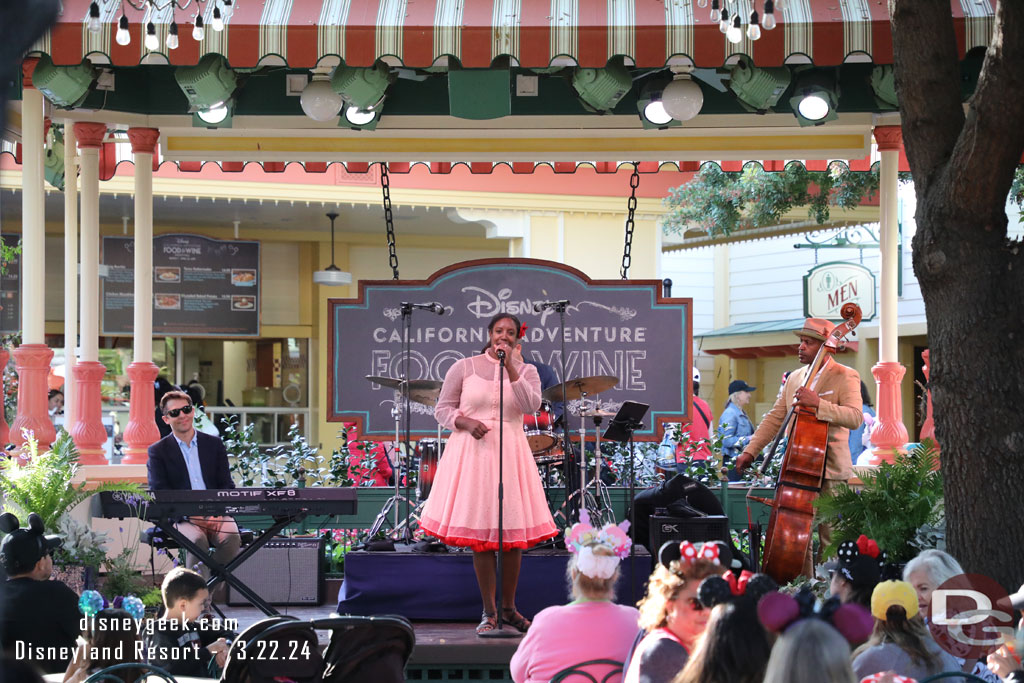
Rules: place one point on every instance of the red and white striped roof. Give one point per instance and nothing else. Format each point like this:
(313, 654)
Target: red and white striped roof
(534, 32)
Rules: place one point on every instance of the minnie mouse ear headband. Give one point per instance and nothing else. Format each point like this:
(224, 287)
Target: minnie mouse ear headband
(715, 590)
(23, 547)
(862, 562)
(687, 552)
(583, 538)
(893, 593)
(778, 611)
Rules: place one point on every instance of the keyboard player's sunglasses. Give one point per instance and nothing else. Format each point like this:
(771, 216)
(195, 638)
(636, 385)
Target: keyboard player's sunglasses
(179, 411)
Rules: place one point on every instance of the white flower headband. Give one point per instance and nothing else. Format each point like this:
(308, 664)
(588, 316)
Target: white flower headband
(582, 538)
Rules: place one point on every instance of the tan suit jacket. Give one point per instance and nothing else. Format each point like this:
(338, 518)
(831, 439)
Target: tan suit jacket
(838, 387)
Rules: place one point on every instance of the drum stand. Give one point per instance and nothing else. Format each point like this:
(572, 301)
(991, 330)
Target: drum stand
(394, 502)
(598, 504)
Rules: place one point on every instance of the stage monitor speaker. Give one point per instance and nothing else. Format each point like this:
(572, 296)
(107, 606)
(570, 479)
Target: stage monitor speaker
(285, 571)
(693, 529)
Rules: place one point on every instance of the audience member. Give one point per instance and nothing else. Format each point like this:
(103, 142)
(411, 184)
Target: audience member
(111, 637)
(900, 642)
(590, 627)
(734, 647)
(670, 613)
(860, 438)
(857, 569)
(176, 644)
(810, 651)
(1006, 661)
(38, 616)
(55, 401)
(18, 671)
(734, 425)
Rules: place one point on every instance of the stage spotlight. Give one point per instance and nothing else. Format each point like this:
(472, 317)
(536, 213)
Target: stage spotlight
(601, 89)
(815, 98)
(64, 86)
(362, 87)
(360, 119)
(650, 105)
(218, 115)
(883, 82)
(757, 88)
(207, 85)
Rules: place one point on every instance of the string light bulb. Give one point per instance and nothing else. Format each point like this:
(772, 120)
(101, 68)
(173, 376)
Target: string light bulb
(218, 21)
(94, 17)
(716, 10)
(723, 23)
(198, 31)
(123, 35)
(768, 23)
(735, 32)
(152, 42)
(754, 27)
(702, 3)
(172, 36)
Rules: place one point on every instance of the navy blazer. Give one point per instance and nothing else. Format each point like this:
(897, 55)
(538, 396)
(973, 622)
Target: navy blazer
(167, 470)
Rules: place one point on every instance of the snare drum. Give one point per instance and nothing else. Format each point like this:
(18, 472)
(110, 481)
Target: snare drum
(540, 428)
(429, 457)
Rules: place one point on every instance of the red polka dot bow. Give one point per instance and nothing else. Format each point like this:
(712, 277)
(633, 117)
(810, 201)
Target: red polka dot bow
(688, 552)
(738, 586)
(867, 546)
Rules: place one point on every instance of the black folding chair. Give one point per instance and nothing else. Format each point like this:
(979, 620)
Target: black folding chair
(115, 673)
(615, 668)
(275, 647)
(955, 675)
(367, 649)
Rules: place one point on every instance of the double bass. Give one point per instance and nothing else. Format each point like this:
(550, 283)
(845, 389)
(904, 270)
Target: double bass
(802, 472)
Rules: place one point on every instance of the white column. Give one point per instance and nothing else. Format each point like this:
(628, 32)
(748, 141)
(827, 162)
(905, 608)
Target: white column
(143, 147)
(888, 190)
(70, 269)
(33, 265)
(89, 155)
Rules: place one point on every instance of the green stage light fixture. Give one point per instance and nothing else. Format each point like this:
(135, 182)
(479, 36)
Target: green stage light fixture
(601, 89)
(218, 116)
(757, 88)
(359, 119)
(651, 107)
(208, 85)
(883, 82)
(65, 86)
(362, 87)
(53, 169)
(815, 98)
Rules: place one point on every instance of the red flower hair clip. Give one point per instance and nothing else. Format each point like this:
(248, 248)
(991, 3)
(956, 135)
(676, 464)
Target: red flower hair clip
(522, 330)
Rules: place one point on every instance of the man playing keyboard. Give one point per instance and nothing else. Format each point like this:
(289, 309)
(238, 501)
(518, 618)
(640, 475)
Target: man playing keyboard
(188, 459)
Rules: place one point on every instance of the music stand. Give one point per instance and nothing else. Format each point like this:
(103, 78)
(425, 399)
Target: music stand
(621, 428)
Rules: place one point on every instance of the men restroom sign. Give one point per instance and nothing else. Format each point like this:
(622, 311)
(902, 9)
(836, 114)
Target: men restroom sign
(828, 286)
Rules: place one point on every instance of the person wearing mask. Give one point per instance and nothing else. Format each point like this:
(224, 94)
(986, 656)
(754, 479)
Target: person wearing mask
(860, 438)
(734, 425)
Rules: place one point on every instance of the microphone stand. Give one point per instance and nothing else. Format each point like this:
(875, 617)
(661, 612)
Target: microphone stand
(500, 632)
(407, 351)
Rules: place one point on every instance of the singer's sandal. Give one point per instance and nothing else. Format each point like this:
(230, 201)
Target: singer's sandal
(512, 617)
(488, 622)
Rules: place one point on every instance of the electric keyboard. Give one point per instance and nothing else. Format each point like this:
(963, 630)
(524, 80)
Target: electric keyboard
(283, 502)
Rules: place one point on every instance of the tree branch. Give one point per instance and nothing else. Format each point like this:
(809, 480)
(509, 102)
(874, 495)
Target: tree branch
(928, 84)
(989, 150)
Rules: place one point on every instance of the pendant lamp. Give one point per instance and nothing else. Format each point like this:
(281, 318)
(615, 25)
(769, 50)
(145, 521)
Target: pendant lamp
(332, 275)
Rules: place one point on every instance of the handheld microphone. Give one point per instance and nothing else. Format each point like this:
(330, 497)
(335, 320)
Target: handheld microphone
(544, 305)
(501, 354)
(433, 307)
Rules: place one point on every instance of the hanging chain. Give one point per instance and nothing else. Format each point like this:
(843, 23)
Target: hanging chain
(634, 182)
(385, 187)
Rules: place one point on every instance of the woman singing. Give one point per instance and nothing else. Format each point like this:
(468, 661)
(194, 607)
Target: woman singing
(462, 508)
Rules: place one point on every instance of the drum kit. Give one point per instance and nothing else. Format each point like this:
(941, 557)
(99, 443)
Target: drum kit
(548, 439)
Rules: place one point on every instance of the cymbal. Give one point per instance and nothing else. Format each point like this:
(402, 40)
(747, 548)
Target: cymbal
(596, 412)
(575, 388)
(423, 391)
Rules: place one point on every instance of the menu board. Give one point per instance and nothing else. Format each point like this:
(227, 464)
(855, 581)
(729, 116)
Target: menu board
(10, 290)
(201, 287)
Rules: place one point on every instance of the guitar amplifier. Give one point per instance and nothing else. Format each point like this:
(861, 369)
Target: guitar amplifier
(285, 571)
(693, 529)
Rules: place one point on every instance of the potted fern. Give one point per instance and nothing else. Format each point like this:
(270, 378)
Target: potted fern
(45, 485)
(898, 501)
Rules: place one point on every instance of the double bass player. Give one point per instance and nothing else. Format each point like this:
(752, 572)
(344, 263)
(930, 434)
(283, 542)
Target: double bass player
(834, 397)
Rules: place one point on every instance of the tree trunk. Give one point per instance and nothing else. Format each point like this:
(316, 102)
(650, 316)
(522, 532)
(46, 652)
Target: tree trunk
(971, 275)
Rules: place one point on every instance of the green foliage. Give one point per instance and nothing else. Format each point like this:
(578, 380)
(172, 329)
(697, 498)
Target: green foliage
(121, 577)
(719, 203)
(152, 597)
(897, 500)
(244, 451)
(8, 254)
(1017, 190)
(44, 484)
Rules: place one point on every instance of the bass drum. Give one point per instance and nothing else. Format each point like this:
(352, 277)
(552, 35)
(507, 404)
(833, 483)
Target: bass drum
(429, 457)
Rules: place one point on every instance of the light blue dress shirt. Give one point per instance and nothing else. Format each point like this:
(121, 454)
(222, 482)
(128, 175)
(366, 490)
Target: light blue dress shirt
(190, 451)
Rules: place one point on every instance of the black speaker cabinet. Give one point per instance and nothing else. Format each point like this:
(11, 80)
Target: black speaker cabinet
(285, 571)
(693, 529)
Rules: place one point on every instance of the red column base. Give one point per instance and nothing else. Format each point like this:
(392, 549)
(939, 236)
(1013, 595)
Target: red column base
(889, 434)
(141, 431)
(88, 431)
(33, 364)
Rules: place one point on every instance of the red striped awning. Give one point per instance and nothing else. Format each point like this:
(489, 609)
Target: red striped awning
(475, 32)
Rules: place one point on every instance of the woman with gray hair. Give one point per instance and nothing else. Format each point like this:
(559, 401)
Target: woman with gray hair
(926, 572)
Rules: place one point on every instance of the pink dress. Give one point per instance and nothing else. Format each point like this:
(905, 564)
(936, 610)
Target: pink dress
(463, 505)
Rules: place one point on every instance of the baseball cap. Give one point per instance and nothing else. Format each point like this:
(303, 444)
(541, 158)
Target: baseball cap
(696, 374)
(739, 385)
(21, 548)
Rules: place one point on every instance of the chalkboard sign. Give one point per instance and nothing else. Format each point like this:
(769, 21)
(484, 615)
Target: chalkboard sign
(201, 287)
(621, 328)
(10, 291)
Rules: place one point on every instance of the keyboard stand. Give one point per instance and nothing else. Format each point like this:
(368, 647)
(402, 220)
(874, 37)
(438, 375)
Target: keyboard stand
(220, 572)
